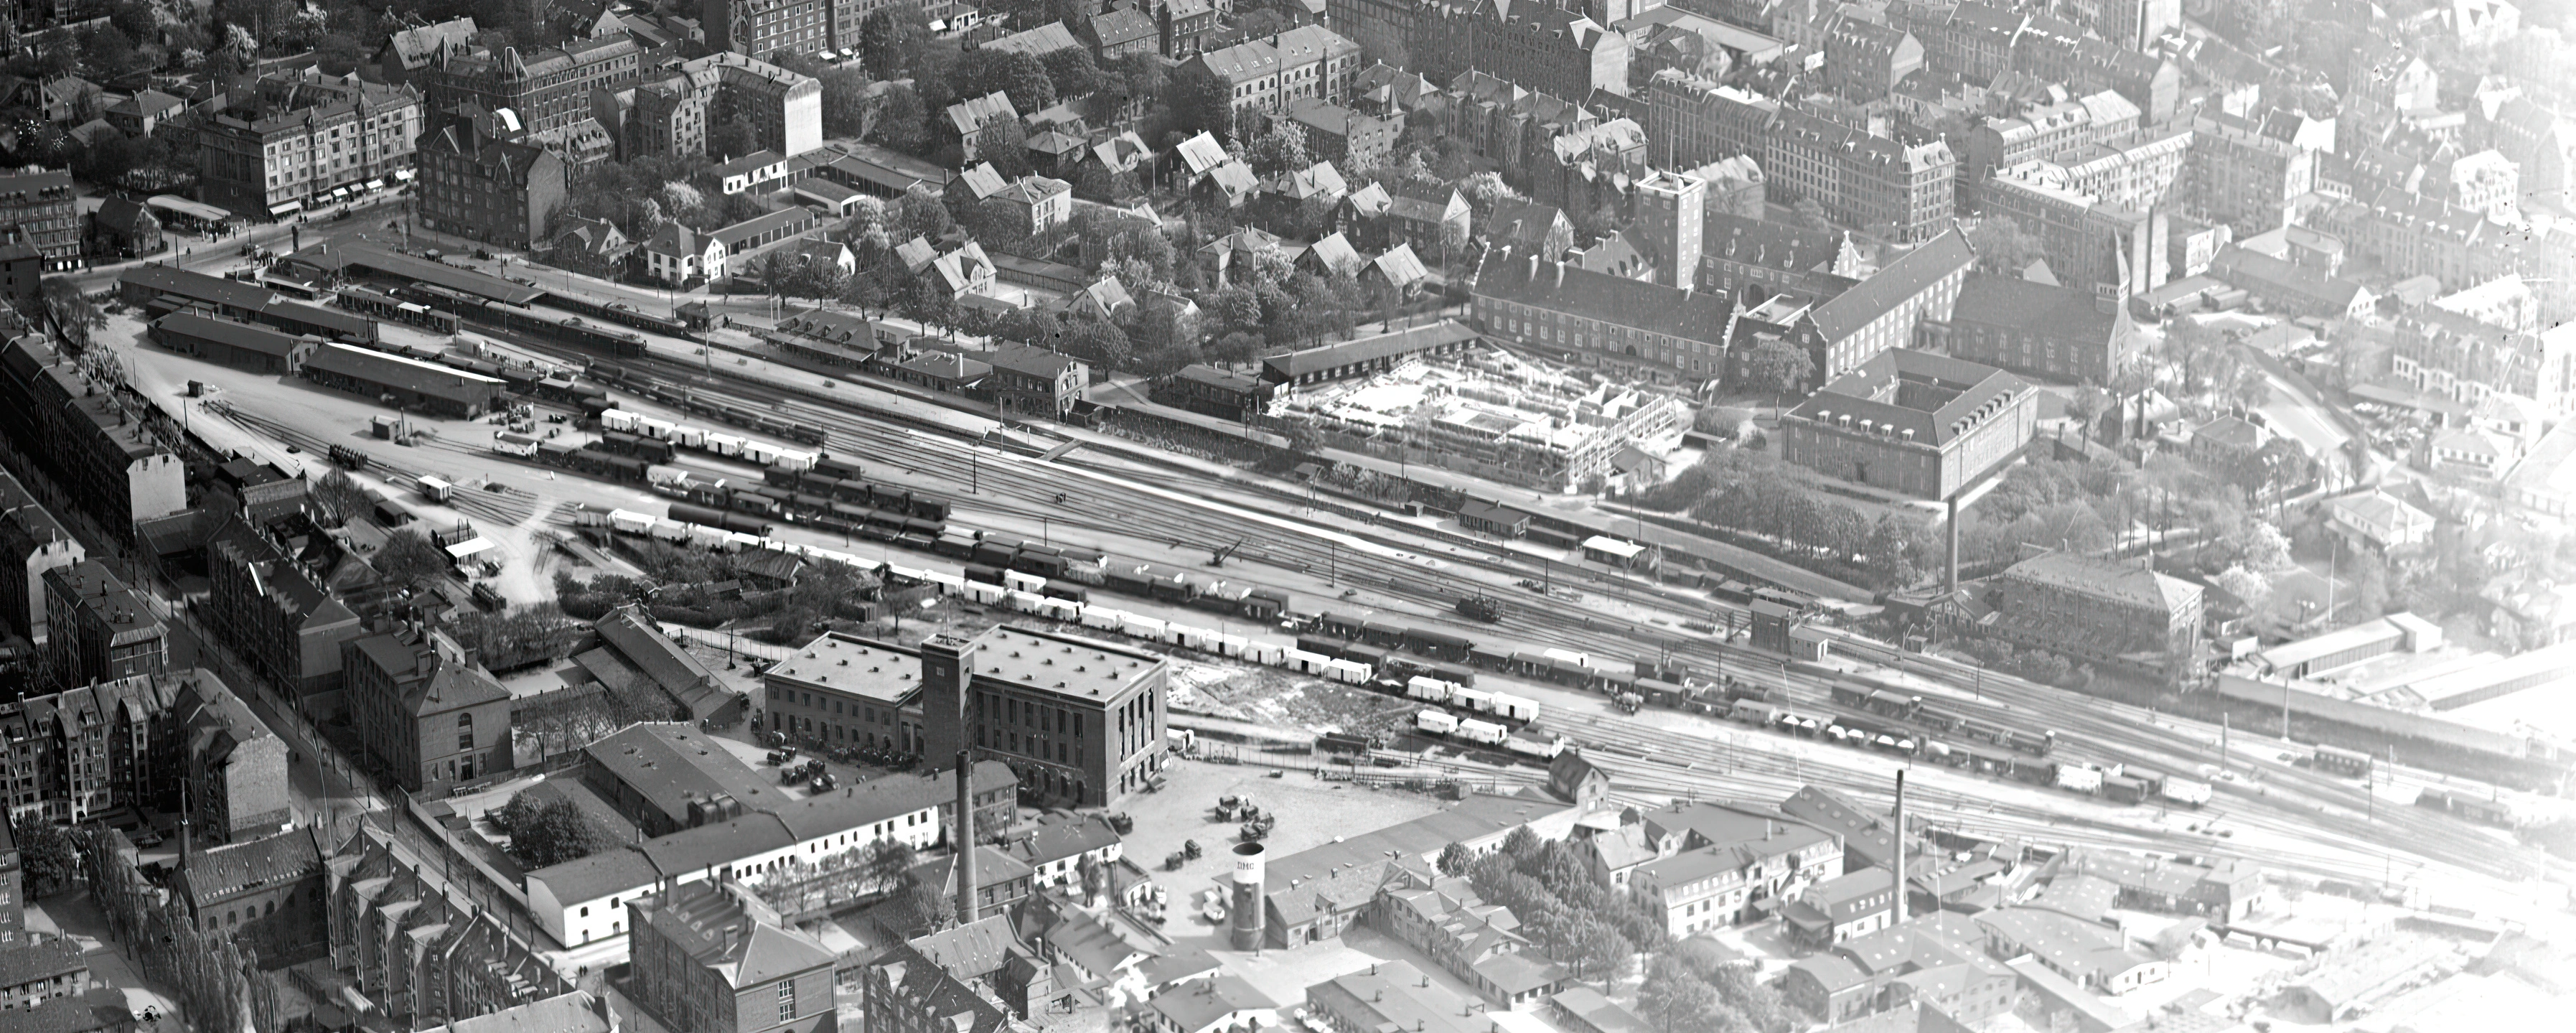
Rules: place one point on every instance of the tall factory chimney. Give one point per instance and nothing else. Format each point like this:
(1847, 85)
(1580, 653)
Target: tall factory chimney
(1900, 845)
(965, 844)
(1248, 858)
(1951, 583)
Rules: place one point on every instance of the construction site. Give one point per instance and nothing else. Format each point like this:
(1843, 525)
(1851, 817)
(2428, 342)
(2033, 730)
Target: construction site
(1490, 413)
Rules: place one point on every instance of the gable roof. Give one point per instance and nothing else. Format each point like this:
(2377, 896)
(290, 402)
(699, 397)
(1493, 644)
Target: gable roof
(1967, 387)
(972, 114)
(1558, 287)
(214, 874)
(1038, 42)
(2123, 581)
(1124, 25)
(1899, 282)
(707, 921)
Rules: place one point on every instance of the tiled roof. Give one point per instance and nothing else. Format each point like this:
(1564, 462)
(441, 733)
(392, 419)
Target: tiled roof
(211, 875)
(1556, 287)
(708, 921)
(1771, 245)
(39, 957)
(1038, 42)
(1894, 285)
(2126, 582)
(2015, 303)
(1969, 387)
(573, 1012)
(1125, 25)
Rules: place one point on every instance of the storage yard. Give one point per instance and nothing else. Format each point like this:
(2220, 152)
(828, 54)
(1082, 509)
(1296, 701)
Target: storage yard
(1492, 413)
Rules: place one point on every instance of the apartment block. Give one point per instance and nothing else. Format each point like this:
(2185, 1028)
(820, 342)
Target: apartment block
(759, 28)
(425, 711)
(485, 188)
(303, 137)
(2237, 174)
(405, 932)
(711, 957)
(31, 543)
(2042, 130)
(1906, 190)
(38, 208)
(549, 89)
(276, 615)
(1271, 72)
(2087, 243)
(149, 741)
(101, 629)
(1693, 121)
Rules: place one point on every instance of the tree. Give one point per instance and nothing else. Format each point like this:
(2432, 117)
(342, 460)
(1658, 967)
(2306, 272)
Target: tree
(1198, 100)
(901, 121)
(408, 558)
(551, 834)
(1777, 367)
(1073, 72)
(339, 496)
(1673, 999)
(1455, 858)
(1812, 214)
(45, 856)
(1280, 150)
(1486, 189)
(889, 861)
(1019, 75)
(2003, 247)
(2086, 408)
(732, 138)
(1098, 342)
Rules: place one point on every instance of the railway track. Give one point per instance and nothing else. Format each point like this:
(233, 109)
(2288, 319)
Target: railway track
(506, 507)
(1015, 488)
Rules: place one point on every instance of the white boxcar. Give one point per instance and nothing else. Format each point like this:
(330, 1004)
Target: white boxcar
(692, 437)
(737, 540)
(1436, 722)
(1233, 645)
(1103, 618)
(1061, 609)
(949, 584)
(510, 443)
(618, 419)
(669, 530)
(1024, 602)
(794, 459)
(1261, 652)
(1535, 747)
(709, 537)
(1348, 672)
(655, 428)
(1141, 626)
(760, 452)
(1304, 662)
(1515, 708)
(1427, 689)
(723, 444)
(980, 592)
(1017, 581)
(2186, 792)
(658, 475)
(1486, 732)
(1477, 700)
(2079, 778)
(1567, 655)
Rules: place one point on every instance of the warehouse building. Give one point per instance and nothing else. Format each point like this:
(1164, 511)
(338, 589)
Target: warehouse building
(157, 289)
(403, 382)
(238, 345)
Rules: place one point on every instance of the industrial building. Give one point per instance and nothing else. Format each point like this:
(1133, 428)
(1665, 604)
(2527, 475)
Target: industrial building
(1078, 720)
(160, 289)
(2101, 611)
(403, 382)
(238, 345)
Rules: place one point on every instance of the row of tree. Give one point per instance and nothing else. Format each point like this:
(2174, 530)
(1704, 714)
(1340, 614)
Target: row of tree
(215, 976)
(1747, 492)
(1591, 927)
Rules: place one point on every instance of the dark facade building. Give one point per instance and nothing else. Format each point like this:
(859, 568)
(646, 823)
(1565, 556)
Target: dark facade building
(2101, 610)
(488, 189)
(410, 383)
(134, 743)
(548, 89)
(124, 228)
(972, 978)
(39, 970)
(1913, 422)
(1205, 389)
(424, 710)
(269, 891)
(711, 957)
(1036, 381)
(1646, 330)
(31, 543)
(101, 630)
(760, 28)
(239, 345)
(277, 616)
(305, 137)
(159, 289)
(2042, 330)
(84, 438)
(409, 940)
(37, 209)
(1078, 720)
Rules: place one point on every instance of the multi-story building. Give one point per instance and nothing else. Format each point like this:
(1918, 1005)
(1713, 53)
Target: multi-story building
(870, 700)
(410, 939)
(306, 136)
(1558, 151)
(2137, 170)
(101, 630)
(274, 614)
(2239, 175)
(1912, 422)
(2413, 234)
(2455, 356)
(1036, 381)
(1672, 212)
(1884, 311)
(2042, 130)
(1077, 720)
(549, 90)
(1267, 74)
(425, 711)
(1546, 47)
(2087, 242)
(2053, 50)
(1058, 847)
(37, 208)
(1841, 909)
(98, 454)
(2224, 888)
(1694, 121)
(2537, 139)
(784, 108)
(2101, 611)
(1749, 259)
(1347, 138)
(1974, 41)
(712, 957)
(1642, 330)
(2043, 330)
(151, 741)
(971, 978)
(485, 188)
(759, 28)
(267, 891)
(664, 114)
(40, 969)
(31, 543)
(2130, 24)
(1864, 60)
(1877, 182)
(1706, 865)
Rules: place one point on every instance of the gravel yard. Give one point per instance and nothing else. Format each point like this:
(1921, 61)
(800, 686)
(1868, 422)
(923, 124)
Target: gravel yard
(1310, 812)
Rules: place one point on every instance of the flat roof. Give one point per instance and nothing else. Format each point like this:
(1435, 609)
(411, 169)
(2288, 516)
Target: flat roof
(851, 665)
(1604, 543)
(1060, 664)
(224, 331)
(672, 765)
(2292, 654)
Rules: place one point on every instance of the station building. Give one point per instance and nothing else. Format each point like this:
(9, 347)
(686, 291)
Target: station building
(405, 382)
(160, 289)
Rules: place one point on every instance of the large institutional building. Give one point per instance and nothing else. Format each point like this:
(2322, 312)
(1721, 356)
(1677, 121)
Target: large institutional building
(1912, 422)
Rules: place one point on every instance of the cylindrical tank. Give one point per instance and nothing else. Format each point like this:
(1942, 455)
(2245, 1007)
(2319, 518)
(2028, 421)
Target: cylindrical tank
(1247, 896)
